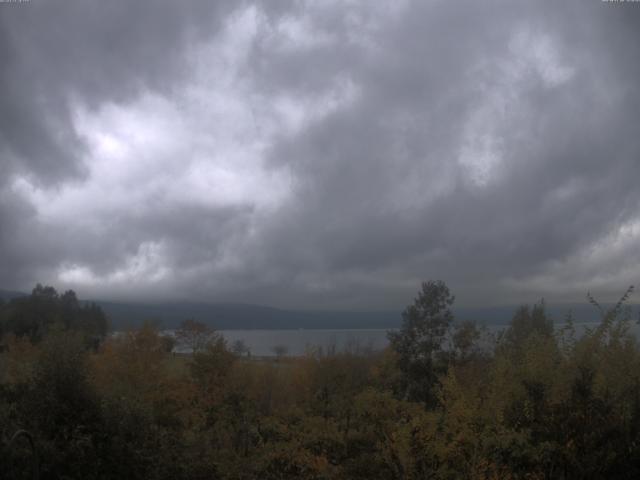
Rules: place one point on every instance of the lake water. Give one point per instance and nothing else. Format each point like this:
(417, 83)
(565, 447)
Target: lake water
(298, 342)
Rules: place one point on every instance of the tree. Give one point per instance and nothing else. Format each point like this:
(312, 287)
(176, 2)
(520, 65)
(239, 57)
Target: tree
(280, 351)
(211, 365)
(418, 343)
(194, 335)
(240, 348)
(34, 315)
(465, 342)
(61, 407)
(525, 323)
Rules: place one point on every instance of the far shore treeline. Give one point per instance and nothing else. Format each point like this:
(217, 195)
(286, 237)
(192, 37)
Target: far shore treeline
(444, 400)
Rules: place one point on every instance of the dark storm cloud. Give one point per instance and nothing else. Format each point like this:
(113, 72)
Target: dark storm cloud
(570, 158)
(493, 145)
(54, 52)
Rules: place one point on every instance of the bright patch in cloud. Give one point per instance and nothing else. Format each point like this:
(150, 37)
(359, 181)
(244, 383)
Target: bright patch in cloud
(146, 266)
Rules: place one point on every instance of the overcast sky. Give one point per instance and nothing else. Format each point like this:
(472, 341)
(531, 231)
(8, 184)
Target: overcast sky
(320, 154)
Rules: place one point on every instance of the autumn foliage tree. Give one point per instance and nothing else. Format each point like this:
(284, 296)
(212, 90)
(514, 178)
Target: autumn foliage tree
(193, 335)
(538, 402)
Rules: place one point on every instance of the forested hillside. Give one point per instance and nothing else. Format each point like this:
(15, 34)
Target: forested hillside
(438, 403)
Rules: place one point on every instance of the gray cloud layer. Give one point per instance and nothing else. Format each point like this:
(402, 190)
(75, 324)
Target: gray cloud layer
(320, 154)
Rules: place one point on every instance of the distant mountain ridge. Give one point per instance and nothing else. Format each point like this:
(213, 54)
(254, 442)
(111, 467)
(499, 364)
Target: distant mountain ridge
(236, 316)
(231, 316)
(9, 294)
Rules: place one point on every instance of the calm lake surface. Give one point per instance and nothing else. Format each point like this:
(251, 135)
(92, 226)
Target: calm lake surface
(298, 342)
(262, 343)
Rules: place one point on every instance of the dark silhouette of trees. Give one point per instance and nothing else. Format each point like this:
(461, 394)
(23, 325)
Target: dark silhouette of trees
(240, 348)
(193, 335)
(419, 342)
(280, 351)
(527, 322)
(34, 315)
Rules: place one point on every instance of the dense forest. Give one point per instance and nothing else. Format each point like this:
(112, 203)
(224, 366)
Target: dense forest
(445, 400)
